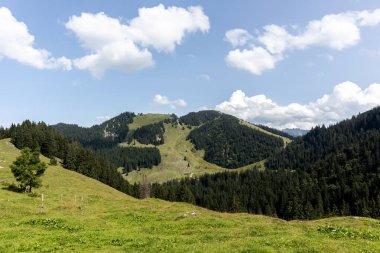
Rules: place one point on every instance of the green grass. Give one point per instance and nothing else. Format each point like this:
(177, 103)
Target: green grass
(284, 139)
(83, 215)
(173, 163)
(146, 119)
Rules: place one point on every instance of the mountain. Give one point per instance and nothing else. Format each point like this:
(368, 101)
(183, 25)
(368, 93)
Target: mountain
(105, 138)
(230, 144)
(83, 215)
(321, 142)
(330, 171)
(164, 147)
(295, 132)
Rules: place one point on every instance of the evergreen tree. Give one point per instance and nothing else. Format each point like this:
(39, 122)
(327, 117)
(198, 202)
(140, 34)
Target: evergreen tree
(27, 169)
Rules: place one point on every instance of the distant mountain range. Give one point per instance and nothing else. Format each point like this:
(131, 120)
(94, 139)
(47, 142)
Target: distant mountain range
(295, 132)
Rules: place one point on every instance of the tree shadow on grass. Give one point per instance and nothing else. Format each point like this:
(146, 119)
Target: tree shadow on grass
(13, 188)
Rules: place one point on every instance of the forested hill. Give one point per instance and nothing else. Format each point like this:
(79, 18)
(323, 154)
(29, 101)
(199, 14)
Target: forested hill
(322, 141)
(230, 144)
(105, 138)
(330, 171)
(108, 133)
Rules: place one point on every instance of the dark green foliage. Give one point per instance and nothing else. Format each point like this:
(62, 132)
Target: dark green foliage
(88, 137)
(230, 144)
(172, 120)
(104, 139)
(150, 134)
(184, 194)
(131, 158)
(107, 134)
(199, 118)
(53, 161)
(27, 169)
(275, 131)
(345, 181)
(3, 133)
(322, 141)
(74, 156)
(38, 136)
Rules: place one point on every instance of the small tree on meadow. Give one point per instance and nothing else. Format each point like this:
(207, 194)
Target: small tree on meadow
(27, 169)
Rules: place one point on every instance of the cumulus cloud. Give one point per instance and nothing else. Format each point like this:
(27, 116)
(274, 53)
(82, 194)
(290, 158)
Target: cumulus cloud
(237, 37)
(115, 45)
(163, 100)
(17, 43)
(254, 60)
(103, 118)
(346, 99)
(334, 31)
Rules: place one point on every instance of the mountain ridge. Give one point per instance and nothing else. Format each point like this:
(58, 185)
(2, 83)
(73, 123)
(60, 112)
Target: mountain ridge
(143, 131)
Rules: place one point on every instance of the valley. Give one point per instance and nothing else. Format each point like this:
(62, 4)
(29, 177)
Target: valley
(82, 214)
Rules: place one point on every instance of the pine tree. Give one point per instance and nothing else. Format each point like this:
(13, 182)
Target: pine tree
(28, 169)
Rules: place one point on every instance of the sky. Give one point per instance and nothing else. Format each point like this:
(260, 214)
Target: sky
(285, 64)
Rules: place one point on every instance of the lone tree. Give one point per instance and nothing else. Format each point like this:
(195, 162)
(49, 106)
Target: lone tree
(27, 169)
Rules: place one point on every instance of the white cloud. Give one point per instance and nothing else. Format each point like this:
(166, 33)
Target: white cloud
(346, 99)
(334, 31)
(114, 45)
(163, 100)
(238, 37)
(164, 28)
(103, 118)
(17, 43)
(254, 60)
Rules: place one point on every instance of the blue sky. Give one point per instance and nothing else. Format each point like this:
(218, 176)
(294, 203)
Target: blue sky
(298, 63)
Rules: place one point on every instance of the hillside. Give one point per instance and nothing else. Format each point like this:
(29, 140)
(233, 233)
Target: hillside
(179, 157)
(106, 134)
(230, 144)
(331, 171)
(158, 145)
(322, 142)
(109, 221)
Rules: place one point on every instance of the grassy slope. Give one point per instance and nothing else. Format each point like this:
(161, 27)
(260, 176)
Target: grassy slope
(113, 222)
(173, 151)
(173, 164)
(146, 119)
